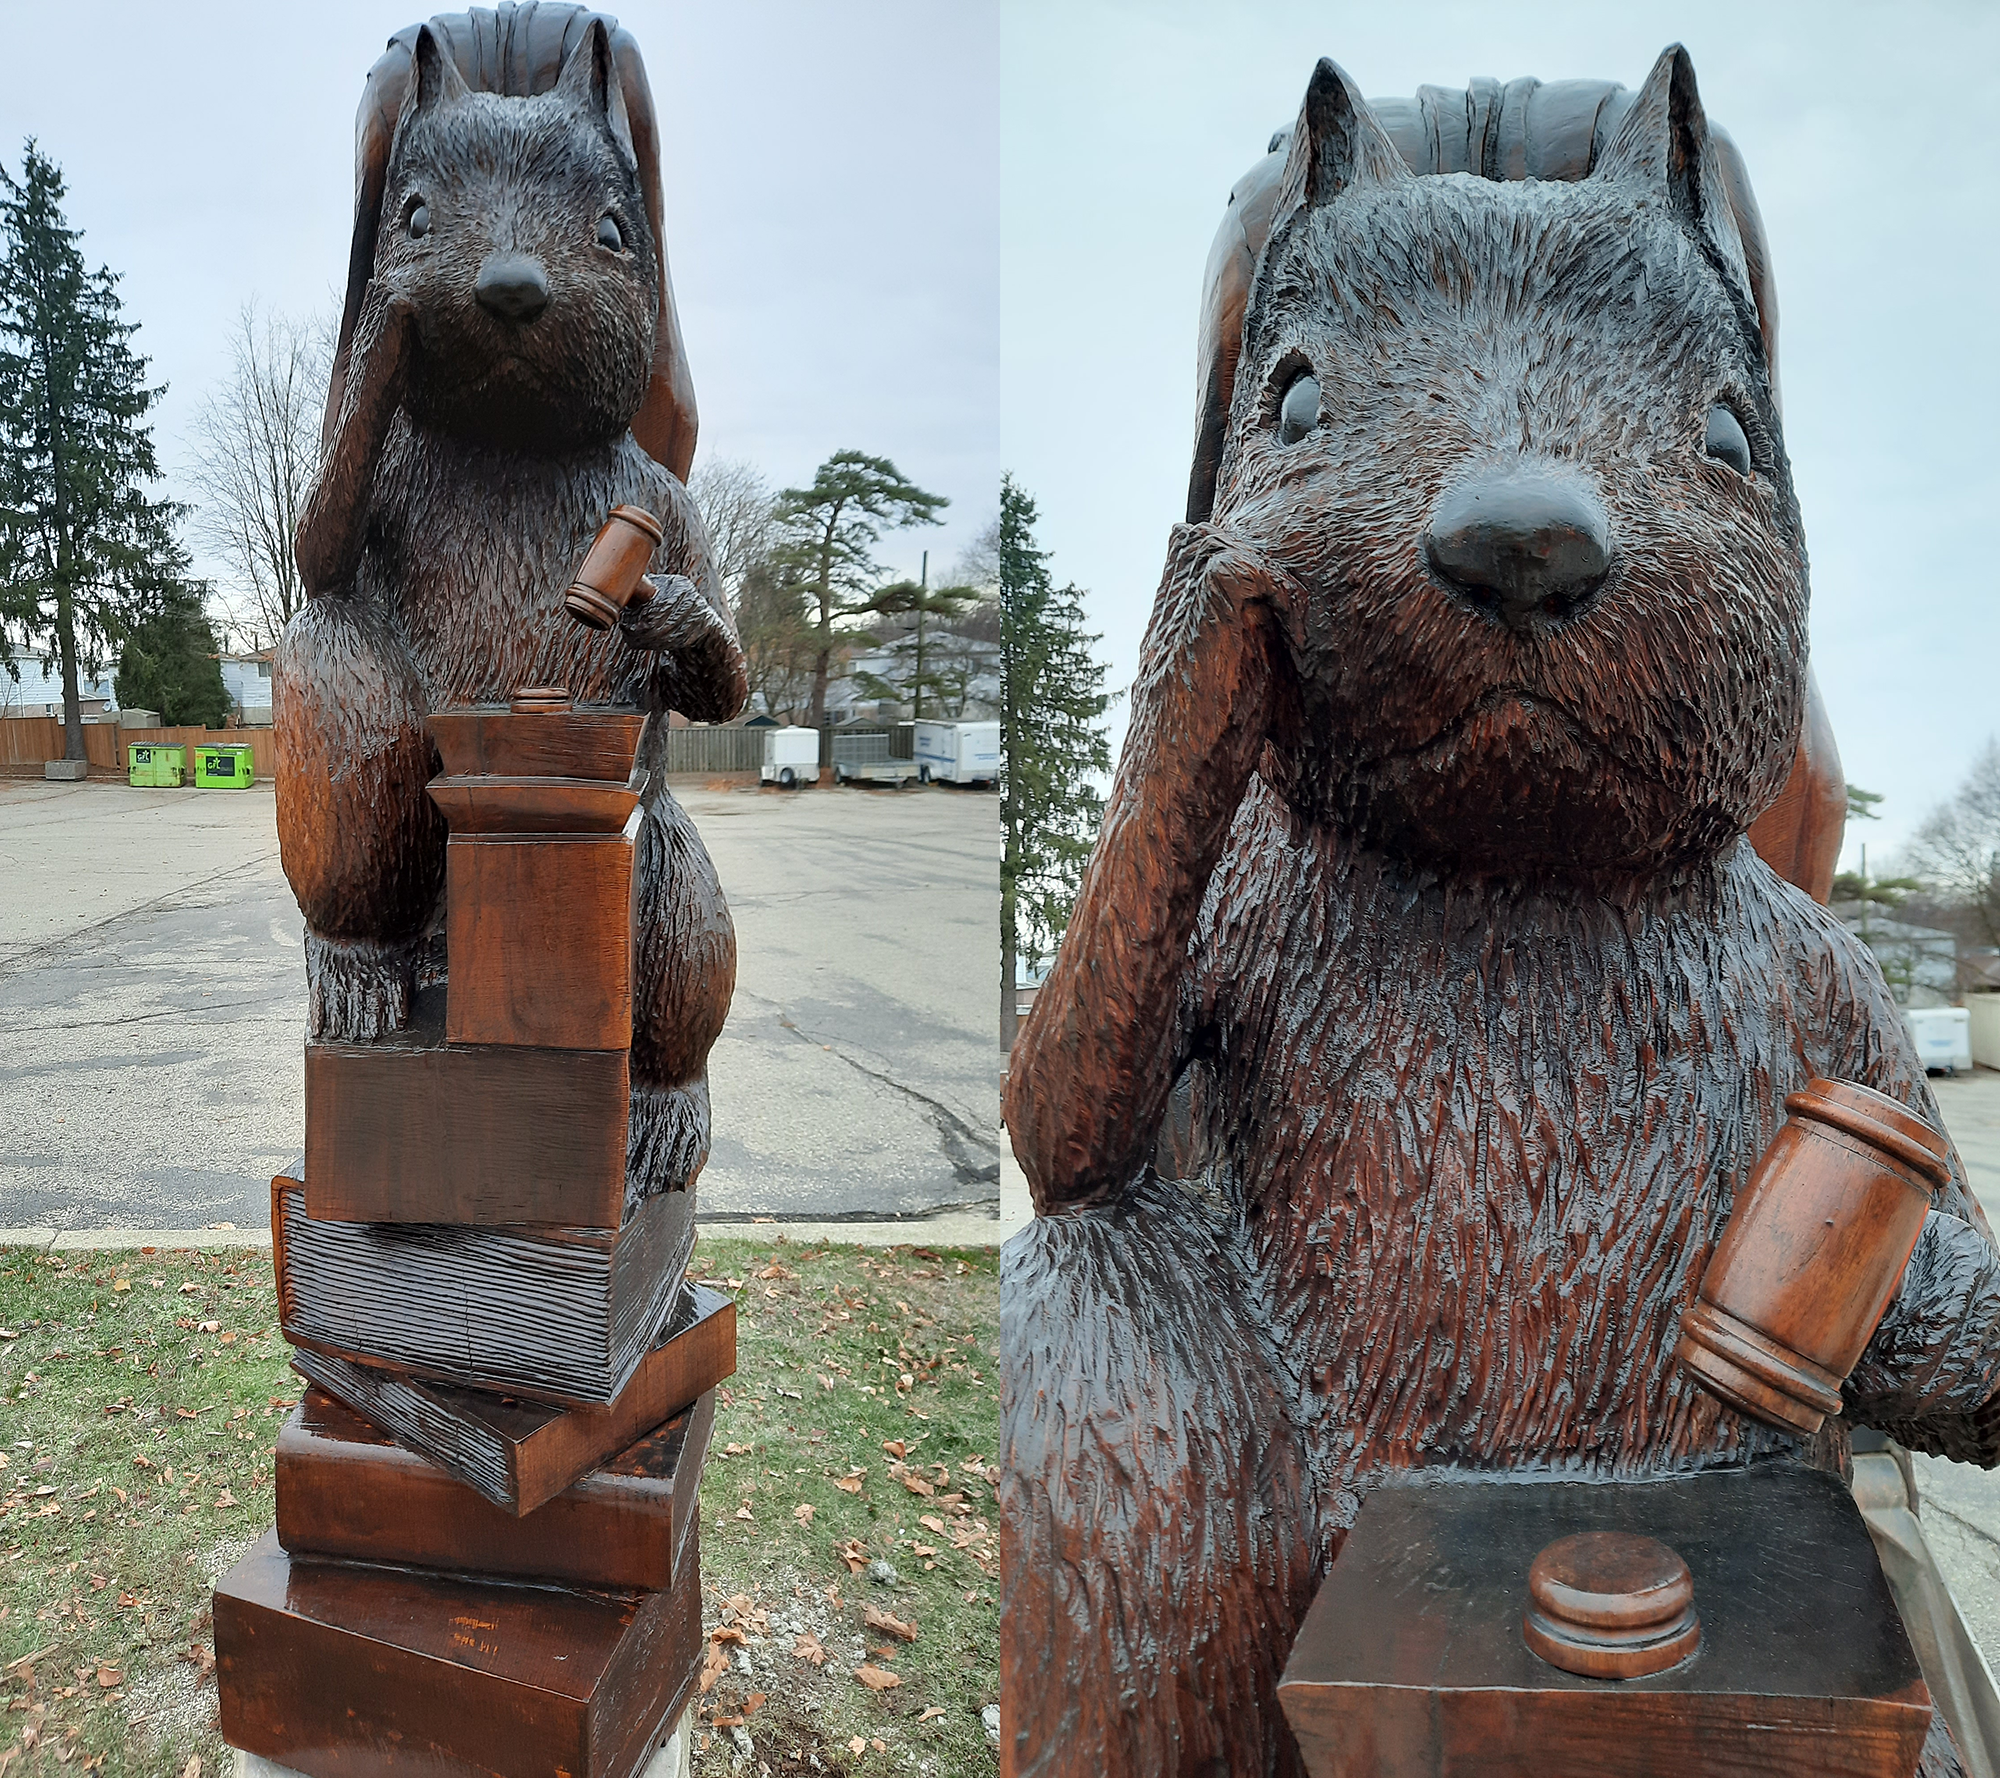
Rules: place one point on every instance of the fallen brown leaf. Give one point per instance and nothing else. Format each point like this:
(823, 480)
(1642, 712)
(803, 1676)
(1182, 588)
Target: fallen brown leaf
(877, 1619)
(804, 1511)
(807, 1648)
(714, 1666)
(877, 1679)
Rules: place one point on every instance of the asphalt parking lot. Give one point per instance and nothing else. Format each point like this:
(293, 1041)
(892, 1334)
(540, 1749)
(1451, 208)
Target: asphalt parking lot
(152, 1005)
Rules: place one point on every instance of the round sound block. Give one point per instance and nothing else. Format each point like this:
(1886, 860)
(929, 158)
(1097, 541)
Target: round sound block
(1610, 1605)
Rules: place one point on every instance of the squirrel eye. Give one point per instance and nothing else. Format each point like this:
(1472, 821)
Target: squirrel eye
(1298, 413)
(608, 235)
(420, 222)
(1725, 440)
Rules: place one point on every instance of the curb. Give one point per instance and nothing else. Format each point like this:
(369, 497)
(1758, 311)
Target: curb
(958, 1230)
(954, 1228)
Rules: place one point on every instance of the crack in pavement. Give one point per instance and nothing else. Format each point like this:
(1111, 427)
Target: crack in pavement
(954, 1134)
(1930, 1504)
(139, 1018)
(13, 958)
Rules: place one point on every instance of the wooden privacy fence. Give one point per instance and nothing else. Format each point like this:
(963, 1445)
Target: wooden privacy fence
(27, 741)
(693, 750)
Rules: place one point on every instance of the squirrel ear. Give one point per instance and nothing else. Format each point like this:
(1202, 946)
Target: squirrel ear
(435, 79)
(589, 82)
(1337, 142)
(1664, 140)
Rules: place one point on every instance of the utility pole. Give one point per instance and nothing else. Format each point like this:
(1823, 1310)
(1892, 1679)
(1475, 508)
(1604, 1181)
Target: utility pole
(923, 593)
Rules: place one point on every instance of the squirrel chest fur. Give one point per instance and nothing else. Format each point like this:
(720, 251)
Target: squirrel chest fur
(471, 549)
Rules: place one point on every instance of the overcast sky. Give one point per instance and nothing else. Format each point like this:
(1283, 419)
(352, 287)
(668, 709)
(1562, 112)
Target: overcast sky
(831, 180)
(1124, 127)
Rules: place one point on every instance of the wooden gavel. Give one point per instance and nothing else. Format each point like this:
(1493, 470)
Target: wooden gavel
(613, 574)
(1813, 1251)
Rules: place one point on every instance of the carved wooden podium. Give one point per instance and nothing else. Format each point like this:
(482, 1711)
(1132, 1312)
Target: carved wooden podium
(486, 1501)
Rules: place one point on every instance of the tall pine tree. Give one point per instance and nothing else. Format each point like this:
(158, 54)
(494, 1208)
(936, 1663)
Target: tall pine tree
(83, 552)
(1056, 748)
(827, 533)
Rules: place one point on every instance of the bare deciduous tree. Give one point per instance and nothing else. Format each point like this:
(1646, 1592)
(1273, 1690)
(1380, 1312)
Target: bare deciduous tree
(736, 505)
(1957, 849)
(256, 446)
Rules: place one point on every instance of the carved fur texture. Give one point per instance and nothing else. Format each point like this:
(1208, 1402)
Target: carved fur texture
(475, 454)
(1479, 1004)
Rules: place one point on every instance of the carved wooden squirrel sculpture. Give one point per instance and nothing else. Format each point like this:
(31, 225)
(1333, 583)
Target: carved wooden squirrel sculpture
(508, 318)
(1423, 891)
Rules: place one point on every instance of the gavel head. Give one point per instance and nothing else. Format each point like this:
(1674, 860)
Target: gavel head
(1813, 1251)
(613, 572)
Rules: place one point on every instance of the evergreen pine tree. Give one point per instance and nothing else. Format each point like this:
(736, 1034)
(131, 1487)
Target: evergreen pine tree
(827, 531)
(1055, 743)
(169, 663)
(916, 672)
(83, 551)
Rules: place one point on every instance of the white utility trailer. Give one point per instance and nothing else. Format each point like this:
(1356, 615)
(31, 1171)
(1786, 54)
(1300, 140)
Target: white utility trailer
(1944, 1036)
(791, 756)
(957, 752)
(864, 759)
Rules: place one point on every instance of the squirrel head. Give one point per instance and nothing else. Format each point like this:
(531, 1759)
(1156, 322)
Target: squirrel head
(1515, 446)
(518, 229)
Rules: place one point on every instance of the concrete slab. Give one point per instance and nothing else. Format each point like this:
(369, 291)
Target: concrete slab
(1971, 1107)
(152, 1005)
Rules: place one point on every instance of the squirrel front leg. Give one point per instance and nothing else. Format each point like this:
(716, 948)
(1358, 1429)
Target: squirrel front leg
(1090, 1072)
(335, 523)
(360, 841)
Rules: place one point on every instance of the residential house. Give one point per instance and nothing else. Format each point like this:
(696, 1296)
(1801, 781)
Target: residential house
(247, 679)
(35, 688)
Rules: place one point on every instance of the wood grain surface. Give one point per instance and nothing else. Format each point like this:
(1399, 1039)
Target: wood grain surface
(411, 1129)
(339, 1670)
(489, 741)
(562, 1315)
(520, 1453)
(1412, 1661)
(539, 928)
(346, 1489)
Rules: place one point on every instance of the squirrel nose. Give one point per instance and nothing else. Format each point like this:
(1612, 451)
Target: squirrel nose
(1522, 547)
(512, 286)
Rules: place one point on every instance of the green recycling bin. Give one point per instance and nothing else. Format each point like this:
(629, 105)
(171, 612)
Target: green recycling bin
(231, 767)
(154, 767)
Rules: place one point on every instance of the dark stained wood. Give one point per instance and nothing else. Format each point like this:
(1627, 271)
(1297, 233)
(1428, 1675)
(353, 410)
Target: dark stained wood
(346, 1489)
(562, 1315)
(463, 479)
(1424, 885)
(344, 1671)
(613, 572)
(1799, 835)
(600, 745)
(410, 1129)
(1411, 1660)
(519, 1453)
(480, 807)
(540, 934)
(1813, 1252)
(1610, 1605)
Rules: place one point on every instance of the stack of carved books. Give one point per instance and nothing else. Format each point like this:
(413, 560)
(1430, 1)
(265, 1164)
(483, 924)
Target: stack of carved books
(484, 1559)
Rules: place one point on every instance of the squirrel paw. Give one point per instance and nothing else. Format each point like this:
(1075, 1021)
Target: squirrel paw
(666, 1143)
(359, 989)
(674, 620)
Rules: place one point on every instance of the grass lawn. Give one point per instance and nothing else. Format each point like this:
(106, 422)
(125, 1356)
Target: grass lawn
(849, 1547)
